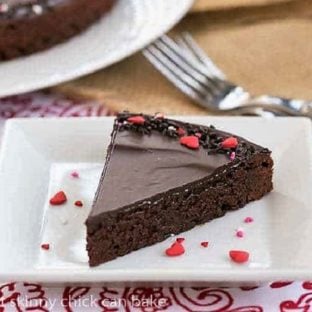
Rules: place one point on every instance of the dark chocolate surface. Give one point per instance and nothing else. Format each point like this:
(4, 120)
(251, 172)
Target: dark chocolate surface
(145, 165)
(148, 159)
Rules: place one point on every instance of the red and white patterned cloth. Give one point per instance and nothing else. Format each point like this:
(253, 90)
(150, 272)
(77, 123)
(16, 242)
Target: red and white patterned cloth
(277, 296)
(283, 297)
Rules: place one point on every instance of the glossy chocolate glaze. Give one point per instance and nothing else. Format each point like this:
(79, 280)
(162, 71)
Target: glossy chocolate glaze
(144, 165)
(144, 161)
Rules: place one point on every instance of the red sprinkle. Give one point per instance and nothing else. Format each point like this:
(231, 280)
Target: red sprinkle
(240, 233)
(175, 250)
(249, 220)
(198, 134)
(204, 244)
(181, 131)
(78, 203)
(190, 141)
(136, 120)
(58, 199)
(45, 246)
(180, 240)
(230, 142)
(239, 256)
(159, 116)
(75, 174)
(232, 156)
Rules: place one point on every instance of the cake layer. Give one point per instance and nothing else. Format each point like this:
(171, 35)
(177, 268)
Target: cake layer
(152, 186)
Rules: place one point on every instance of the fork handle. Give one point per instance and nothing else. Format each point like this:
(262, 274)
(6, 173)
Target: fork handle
(292, 106)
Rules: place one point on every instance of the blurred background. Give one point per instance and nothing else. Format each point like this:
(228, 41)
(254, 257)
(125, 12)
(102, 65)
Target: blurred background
(262, 45)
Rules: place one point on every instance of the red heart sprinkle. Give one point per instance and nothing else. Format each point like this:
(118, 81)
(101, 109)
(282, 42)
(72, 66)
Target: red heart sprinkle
(176, 249)
(240, 233)
(45, 246)
(230, 142)
(248, 220)
(181, 131)
(136, 120)
(204, 244)
(190, 141)
(180, 240)
(58, 199)
(239, 256)
(78, 203)
(75, 174)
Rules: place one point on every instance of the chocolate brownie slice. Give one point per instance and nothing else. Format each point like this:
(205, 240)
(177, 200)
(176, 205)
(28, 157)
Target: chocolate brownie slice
(163, 177)
(28, 26)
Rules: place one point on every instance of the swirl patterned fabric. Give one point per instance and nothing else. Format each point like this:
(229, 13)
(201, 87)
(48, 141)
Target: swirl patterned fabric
(276, 296)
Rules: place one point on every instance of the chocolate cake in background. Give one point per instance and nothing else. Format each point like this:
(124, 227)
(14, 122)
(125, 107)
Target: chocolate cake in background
(163, 177)
(28, 26)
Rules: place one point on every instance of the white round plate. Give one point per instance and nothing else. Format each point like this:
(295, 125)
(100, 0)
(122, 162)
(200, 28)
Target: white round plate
(131, 25)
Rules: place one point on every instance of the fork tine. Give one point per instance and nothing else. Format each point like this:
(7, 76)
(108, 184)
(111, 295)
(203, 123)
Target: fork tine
(163, 45)
(186, 49)
(182, 42)
(208, 69)
(178, 70)
(192, 46)
(160, 62)
(185, 69)
(178, 53)
(173, 52)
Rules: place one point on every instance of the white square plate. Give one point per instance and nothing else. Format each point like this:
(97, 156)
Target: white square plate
(37, 157)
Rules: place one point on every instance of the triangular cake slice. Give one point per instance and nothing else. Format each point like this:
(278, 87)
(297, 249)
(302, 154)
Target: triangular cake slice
(163, 177)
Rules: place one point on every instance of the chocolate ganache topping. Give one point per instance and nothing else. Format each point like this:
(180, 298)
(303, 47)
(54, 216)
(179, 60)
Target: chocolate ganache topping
(145, 165)
(148, 159)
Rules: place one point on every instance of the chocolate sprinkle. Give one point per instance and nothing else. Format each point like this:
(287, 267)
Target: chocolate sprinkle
(209, 139)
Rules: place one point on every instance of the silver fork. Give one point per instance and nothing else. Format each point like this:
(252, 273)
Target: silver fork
(187, 66)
